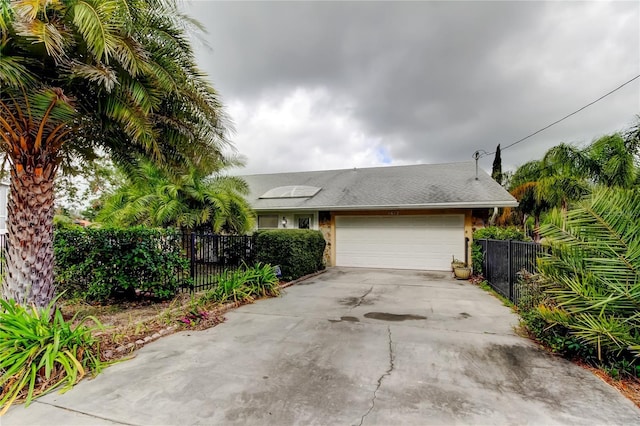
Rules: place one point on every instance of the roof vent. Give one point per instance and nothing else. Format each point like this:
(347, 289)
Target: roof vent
(292, 191)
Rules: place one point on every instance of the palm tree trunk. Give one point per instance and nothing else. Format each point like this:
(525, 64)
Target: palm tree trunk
(29, 277)
(536, 228)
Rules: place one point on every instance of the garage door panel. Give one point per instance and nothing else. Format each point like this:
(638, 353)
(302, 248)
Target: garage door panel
(404, 242)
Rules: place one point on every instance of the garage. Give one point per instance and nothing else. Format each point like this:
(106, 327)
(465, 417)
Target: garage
(401, 242)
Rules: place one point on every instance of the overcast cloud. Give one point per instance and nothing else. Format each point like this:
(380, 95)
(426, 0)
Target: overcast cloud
(328, 85)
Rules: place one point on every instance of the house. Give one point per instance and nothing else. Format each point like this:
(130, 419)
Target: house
(404, 217)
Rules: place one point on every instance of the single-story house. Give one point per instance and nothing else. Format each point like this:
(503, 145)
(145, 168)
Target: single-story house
(404, 217)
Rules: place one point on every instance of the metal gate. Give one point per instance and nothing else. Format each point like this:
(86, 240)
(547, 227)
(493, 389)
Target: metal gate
(504, 259)
(212, 254)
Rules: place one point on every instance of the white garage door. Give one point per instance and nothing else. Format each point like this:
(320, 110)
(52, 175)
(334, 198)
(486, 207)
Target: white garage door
(402, 242)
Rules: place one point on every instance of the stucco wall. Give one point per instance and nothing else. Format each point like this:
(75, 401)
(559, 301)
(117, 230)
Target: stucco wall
(327, 229)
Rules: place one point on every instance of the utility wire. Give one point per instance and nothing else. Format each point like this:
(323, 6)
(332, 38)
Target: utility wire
(481, 153)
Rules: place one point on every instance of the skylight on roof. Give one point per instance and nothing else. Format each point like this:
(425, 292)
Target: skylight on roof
(292, 191)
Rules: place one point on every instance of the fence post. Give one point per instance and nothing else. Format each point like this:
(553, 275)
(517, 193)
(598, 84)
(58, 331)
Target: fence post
(509, 267)
(192, 257)
(485, 255)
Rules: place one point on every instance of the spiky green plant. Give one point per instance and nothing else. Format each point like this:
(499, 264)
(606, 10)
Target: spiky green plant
(244, 285)
(593, 270)
(39, 351)
(190, 200)
(264, 280)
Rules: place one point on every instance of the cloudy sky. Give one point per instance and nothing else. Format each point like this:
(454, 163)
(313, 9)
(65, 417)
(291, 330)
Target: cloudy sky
(327, 85)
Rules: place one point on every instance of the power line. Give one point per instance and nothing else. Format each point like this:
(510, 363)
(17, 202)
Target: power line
(481, 153)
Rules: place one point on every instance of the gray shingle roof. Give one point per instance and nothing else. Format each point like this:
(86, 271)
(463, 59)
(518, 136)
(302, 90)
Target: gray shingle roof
(451, 185)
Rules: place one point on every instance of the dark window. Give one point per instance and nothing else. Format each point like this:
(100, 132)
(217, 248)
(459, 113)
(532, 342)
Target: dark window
(303, 222)
(267, 221)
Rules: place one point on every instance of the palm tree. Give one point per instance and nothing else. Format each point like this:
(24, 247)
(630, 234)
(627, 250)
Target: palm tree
(85, 76)
(611, 161)
(593, 270)
(189, 201)
(524, 188)
(563, 176)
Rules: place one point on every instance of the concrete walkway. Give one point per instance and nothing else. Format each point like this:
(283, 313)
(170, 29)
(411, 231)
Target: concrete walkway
(348, 347)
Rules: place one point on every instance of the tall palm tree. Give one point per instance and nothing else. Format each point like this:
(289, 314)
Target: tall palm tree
(82, 76)
(612, 161)
(152, 197)
(563, 178)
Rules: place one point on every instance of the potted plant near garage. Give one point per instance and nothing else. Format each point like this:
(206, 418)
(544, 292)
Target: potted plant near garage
(455, 263)
(460, 269)
(462, 272)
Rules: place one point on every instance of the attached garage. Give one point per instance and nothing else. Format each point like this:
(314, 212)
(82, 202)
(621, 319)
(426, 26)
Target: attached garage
(424, 242)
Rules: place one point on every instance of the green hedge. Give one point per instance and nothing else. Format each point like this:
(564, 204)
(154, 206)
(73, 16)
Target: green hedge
(298, 252)
(492, 233)
(103, 264)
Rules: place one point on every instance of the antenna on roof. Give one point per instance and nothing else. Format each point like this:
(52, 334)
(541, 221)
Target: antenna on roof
(476, 156)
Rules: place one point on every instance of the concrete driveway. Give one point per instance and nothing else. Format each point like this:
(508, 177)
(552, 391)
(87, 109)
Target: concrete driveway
(348, 347)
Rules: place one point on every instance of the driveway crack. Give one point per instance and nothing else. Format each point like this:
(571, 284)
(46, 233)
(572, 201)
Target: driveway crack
(85, 413)
(362, 298)
(392, 358)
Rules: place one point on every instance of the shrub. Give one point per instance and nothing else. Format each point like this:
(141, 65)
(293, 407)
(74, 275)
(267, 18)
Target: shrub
(244, 285)
(499, 233)
(492, 233)
(556, 338)
(532, 294)
(103, 264)
(39, 351)
(298, 252)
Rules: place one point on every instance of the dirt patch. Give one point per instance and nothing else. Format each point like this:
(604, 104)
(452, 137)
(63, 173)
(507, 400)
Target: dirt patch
(130, 325)
(127, 326)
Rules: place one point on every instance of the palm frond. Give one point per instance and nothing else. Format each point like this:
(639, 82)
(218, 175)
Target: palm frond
(46, 33)
(593, 271)
(97, 73)
(98, 21)
(6, 16)
(14, 71)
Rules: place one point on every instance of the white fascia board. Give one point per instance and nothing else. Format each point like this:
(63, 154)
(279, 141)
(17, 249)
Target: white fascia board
(435, 206)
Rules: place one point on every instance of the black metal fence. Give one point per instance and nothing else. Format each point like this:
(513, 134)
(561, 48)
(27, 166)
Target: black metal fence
(504, 259)
(210, 255)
